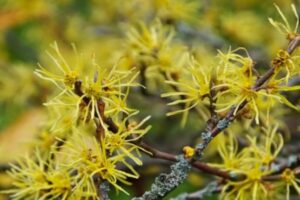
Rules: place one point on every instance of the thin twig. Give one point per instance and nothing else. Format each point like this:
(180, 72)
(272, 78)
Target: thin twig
(155, 153)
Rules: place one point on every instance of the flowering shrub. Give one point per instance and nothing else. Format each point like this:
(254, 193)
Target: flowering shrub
(93, 140)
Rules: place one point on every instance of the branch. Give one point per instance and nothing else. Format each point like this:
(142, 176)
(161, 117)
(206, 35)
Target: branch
(155, 153)
(292, 162)
(101, 186)
(107, 120)
(165, 183)
(209, 190)
(223, 123)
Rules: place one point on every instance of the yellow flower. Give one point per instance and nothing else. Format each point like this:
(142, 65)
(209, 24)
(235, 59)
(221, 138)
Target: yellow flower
(290, 179)
(119, 104)
(90, 159)
(285, 27)
(154, 52)
(237, 77)
(254, 162)
(192, 91)
(269, 147)
(34, 178)
(250, 188)
(66, 76)
(122, 142)
(231, 61)
(108, 87)
(169, 63)
(274, 88)
(148, 41)
(64, 113)
(228, 150)
(173, 10)
(284, 59)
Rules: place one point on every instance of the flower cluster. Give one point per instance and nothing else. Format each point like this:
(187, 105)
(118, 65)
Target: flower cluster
(234, 81)
(255, 163)
(155, 52)
(74, 162)
(191, 94)
(38, 179)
